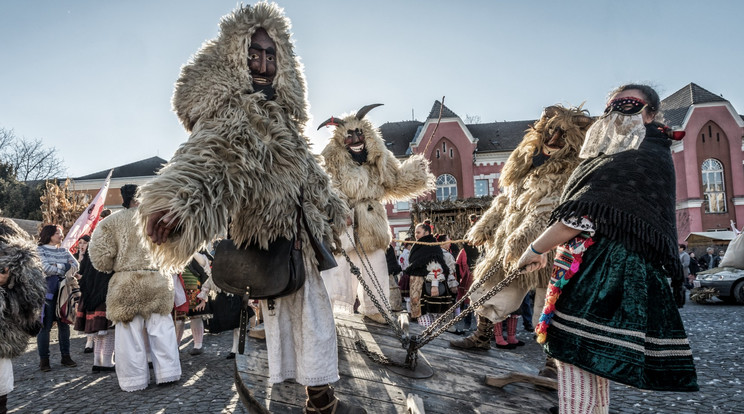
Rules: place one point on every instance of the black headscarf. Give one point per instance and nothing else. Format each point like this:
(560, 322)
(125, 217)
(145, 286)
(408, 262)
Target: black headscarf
(630, 197)
(421, 255)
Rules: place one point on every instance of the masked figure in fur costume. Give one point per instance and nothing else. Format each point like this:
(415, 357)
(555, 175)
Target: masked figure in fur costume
(367, 174)
(22, 289)
(139, 299)
(247, 164)
(532, 180)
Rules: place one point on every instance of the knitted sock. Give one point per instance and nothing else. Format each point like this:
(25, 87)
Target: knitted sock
(511, 329)
(89, 340)
(498, 332)
(197, 331)
(179, 331)
(580, 392)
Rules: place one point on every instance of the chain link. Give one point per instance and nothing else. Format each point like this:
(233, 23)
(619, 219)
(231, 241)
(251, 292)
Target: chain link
(413, 344)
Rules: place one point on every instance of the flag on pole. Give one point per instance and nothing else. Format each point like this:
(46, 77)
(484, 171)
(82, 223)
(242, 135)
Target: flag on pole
(90, 217)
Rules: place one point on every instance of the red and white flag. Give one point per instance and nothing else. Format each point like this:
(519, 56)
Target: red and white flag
(90, 217)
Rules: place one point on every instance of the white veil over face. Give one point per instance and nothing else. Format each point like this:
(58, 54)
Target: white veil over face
(612, 133)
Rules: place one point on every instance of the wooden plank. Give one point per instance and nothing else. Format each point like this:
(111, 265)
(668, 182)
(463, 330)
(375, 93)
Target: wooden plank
(457, 385)
(512, 377)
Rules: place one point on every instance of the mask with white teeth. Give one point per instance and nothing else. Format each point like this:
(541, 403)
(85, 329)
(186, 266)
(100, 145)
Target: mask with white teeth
(354, 142)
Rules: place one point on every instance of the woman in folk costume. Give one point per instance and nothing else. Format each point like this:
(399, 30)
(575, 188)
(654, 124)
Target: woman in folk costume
(139, 299)
(428, 272)
(532, 180)
(91, 313)
(610, 314)
(367, 174)
(22, 289)
(189, 284)
(247, 164)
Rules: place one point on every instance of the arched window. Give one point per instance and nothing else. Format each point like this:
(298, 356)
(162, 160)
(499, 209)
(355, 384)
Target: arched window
(446, 187)
(714, 189)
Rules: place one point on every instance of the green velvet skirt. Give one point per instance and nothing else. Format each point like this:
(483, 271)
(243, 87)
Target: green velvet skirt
(617, 318)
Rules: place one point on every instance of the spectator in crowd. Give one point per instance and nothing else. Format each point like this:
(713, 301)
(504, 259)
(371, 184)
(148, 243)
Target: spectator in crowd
(91, 313)
(82, 248)
(694, 269)
(710, 259)
(22, 289)
(56, 261)
(684, 259)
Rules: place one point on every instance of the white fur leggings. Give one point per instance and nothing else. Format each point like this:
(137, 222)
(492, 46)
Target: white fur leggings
(580, 392)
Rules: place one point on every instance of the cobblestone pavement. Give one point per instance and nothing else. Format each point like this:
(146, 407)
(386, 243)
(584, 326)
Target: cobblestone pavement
(716, 333)
(206, 385)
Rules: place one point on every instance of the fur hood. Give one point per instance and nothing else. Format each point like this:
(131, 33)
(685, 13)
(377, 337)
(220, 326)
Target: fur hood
(247, 160)
(22, 297)
(522, 210)
(218, 74)
(574, 122)
(336, 153)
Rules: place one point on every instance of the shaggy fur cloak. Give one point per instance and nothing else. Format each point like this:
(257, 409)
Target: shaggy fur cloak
(381, 178)
(136, 287)
(529, 194)
(22, 297)
(246, 158)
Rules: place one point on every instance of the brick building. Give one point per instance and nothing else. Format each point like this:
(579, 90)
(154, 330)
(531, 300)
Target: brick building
(467, 158)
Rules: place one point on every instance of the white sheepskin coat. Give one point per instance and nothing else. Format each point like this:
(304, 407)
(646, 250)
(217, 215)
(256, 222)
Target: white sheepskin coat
(381, 178)
(137, 286)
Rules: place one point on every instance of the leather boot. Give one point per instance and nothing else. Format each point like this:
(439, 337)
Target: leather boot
(480, 339)
(549, 370)
(321, 400)
(68, 362)
(3, 404)
(44, 365)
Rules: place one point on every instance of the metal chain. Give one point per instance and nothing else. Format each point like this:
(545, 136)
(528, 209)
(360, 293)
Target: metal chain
(382, 359)
(475, 286)
(413, 344)
(427, 336)
(367, 264)
(404, 339)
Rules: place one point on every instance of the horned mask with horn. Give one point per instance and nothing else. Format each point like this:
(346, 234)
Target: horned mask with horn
(354, 132)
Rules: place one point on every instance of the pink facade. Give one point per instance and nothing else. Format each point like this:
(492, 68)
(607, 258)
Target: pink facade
(712, 132)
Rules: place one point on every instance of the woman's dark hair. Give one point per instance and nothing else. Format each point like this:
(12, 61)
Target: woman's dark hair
(86, 238)
(652, 98)
(46, 233)
(425, 226)
(442, 237)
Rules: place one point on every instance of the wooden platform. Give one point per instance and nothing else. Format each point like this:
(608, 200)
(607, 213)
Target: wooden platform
(457, 386)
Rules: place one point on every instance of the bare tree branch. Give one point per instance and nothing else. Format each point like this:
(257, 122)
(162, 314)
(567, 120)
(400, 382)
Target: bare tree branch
(30, 160)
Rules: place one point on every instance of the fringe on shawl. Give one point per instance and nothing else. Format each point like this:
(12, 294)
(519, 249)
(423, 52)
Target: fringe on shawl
(635, 234)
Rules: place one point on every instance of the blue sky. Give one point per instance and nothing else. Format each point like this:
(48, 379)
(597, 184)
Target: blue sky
(94, 78)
